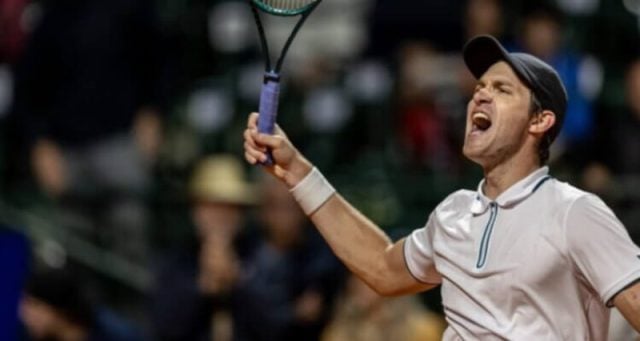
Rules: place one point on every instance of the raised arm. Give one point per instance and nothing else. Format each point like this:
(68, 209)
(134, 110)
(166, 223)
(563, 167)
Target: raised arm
(628, 302)
(362, 246)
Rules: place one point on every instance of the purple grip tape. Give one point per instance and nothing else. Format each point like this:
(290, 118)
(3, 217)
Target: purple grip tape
(268, 109)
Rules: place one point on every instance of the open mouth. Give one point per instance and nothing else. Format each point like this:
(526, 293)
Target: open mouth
(480, 121)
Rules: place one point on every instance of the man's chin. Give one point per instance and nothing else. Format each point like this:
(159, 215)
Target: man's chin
(475, 156)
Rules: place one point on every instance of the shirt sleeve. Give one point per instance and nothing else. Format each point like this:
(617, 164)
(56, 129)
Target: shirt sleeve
(419, 255)
(600, 247)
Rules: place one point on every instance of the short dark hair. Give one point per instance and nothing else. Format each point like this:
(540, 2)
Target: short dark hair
(550, 135)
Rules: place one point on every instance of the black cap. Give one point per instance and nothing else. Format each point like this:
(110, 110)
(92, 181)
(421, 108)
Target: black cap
(483, 51)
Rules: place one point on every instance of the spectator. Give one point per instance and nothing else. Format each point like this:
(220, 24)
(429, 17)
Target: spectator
(483, 17)
(194, 292)
(87, 103)
(243, 284)
(288, 281)
(615, 172)
(219, 195)
(624, 134)
(423, 127)
(362, 314)
(542, 35)
(56, 307)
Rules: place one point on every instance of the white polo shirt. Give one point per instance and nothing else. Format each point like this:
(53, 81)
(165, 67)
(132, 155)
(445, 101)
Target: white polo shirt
(541, 262)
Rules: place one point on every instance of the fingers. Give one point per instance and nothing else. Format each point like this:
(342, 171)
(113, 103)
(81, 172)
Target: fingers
(253, 156)
(251, 159)
(250, 140)
(252, 152)
(252, 124)
(273, 142)
(257, 144)
(252, 121)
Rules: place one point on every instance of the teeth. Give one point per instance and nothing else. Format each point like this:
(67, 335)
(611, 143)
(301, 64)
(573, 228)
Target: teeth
(480, 113)
(481, 120)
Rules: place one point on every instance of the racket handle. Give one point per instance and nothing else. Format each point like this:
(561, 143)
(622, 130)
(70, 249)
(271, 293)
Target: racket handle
(269, 108)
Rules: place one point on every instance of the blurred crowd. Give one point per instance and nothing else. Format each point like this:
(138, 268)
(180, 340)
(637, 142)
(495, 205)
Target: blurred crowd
(127, 213)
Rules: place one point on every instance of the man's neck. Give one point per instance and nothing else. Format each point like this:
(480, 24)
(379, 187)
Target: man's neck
(499, 178)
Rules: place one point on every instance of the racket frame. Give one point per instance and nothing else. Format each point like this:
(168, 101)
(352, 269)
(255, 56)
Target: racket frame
(305, 11)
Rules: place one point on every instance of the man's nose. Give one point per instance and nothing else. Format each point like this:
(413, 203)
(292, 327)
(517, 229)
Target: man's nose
(482, 96)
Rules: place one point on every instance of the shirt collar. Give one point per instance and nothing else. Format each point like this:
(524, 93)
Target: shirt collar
(515, 194)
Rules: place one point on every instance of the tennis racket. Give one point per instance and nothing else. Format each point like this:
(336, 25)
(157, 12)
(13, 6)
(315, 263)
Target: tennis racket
(271, 83)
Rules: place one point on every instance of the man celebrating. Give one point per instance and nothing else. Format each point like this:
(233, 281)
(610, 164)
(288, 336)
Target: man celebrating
(525, 256)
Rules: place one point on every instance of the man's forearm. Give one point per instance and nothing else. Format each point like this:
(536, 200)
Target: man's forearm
(364, 248)
(358, 242)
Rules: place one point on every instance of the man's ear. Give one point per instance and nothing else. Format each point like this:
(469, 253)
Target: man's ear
(542, 122)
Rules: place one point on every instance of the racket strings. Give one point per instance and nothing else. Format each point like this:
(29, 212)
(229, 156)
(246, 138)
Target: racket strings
(287, 4)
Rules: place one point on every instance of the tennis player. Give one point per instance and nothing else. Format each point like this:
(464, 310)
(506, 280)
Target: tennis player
(525, 256)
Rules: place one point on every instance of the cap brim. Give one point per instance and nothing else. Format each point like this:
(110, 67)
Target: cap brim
(483, 51)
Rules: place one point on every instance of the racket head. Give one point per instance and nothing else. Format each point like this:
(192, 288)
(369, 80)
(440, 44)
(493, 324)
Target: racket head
(286, 8)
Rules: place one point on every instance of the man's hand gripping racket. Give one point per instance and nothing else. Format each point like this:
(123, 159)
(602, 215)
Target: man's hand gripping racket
(288, 164)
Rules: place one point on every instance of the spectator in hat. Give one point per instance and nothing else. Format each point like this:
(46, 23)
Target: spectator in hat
(219, 193)
(275, 282)
(195, 291)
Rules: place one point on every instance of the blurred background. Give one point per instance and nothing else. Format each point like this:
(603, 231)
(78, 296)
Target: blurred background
(127, 212)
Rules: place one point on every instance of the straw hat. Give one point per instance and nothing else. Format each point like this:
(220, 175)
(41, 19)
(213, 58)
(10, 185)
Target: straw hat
(221, 178)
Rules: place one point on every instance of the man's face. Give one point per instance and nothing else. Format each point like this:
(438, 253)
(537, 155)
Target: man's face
(497, 116)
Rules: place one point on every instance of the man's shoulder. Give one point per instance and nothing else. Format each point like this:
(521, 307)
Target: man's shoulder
(564, 197)
(563, 192)
(457, 199)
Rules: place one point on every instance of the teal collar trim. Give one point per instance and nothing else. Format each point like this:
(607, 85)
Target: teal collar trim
(515, 194)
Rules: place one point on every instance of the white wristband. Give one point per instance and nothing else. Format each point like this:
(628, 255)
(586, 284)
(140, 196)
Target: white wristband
(313, 191)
